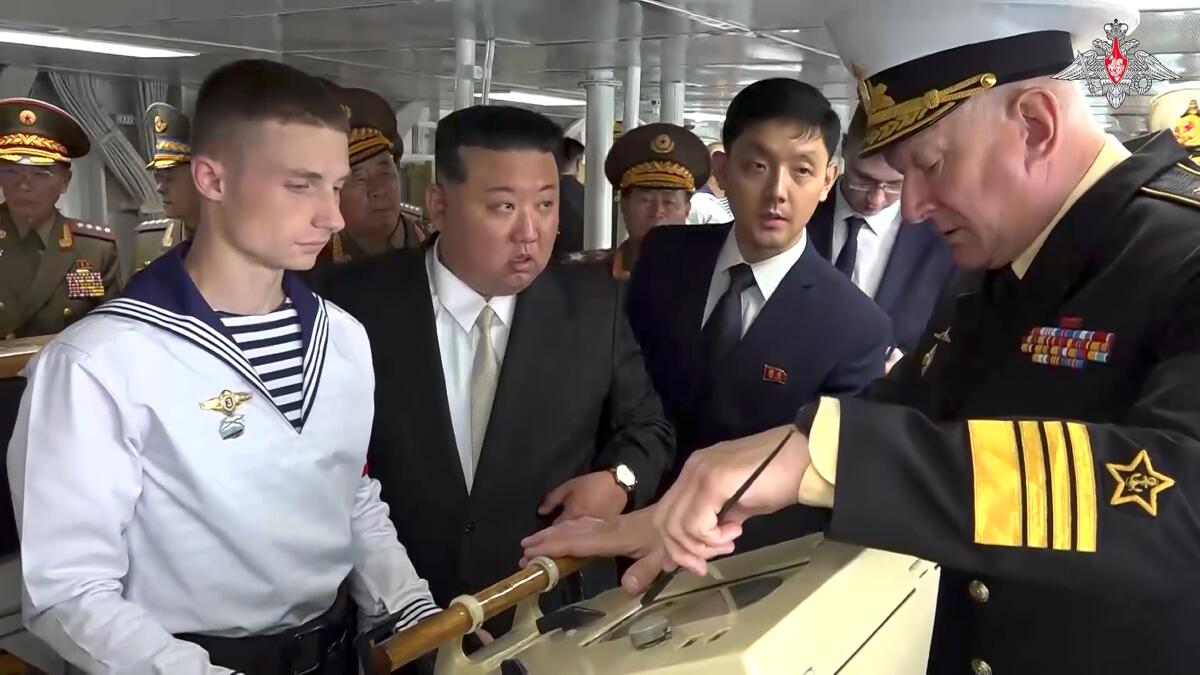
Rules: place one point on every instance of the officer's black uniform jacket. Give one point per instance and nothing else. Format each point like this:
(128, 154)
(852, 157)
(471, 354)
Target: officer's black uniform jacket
(1070, 496)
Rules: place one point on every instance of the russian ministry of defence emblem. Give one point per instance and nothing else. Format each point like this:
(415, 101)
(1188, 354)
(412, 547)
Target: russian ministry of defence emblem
(1116, 68)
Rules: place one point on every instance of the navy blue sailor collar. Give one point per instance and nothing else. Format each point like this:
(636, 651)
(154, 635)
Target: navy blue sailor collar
(163, 295)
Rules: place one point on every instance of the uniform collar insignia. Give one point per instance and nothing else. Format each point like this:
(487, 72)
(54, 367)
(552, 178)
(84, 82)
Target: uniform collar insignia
(1138, 482)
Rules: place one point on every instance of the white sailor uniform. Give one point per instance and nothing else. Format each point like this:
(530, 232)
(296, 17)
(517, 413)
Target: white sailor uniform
(159, 490)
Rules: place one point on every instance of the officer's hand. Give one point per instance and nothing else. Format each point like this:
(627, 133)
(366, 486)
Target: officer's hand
(687, 515)
(595, 494)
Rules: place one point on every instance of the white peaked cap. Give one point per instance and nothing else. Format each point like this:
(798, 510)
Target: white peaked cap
(916, 59)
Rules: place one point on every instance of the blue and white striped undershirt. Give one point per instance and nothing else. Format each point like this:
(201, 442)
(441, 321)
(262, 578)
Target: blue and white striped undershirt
(274, 346)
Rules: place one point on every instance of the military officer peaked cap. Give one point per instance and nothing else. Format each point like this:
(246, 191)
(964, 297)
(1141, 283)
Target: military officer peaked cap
(657, 155)
(372, 124)
(172, 136)
(35, 132)
(915, 61)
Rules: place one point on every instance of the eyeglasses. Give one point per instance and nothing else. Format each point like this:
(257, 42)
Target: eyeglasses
(32, 174)
(888, 188)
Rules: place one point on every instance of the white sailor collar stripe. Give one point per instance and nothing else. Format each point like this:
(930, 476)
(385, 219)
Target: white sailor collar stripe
(163, 295)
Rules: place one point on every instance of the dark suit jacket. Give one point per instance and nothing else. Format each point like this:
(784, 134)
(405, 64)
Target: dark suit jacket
(573, 397)
(817, 328)
(918, 268)
(570, 216)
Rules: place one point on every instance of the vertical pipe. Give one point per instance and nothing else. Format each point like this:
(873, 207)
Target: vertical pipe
(601, 103)
(464, 77)
(672, 102)
(633, 96)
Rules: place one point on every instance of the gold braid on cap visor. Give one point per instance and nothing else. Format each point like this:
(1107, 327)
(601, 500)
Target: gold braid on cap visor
(661, 174)
(366, 139)
(888, 120)
(170, 153)
(38, 149)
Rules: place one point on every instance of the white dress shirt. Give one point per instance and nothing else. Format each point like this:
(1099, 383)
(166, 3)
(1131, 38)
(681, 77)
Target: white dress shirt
(139, 521)
(875, 241)
(768, 274)
(456, 306)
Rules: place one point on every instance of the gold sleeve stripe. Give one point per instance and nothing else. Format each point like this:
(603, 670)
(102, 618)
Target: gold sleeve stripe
(1060, 484)
(1085, 488)
(1036, 525)
(997, 473)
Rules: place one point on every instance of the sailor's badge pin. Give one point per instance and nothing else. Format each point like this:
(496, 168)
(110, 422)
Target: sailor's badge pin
(227, 403)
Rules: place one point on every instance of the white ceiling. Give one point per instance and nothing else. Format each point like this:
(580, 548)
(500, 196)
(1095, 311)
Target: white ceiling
(405, 48)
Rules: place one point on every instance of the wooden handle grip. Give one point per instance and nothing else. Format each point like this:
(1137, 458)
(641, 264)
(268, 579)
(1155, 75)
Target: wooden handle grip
(454, 622)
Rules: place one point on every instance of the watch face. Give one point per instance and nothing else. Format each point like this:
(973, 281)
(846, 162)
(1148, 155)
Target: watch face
(625, 476)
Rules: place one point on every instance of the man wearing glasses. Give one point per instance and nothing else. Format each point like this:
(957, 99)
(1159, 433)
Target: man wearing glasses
(902, 266)
(54, 269)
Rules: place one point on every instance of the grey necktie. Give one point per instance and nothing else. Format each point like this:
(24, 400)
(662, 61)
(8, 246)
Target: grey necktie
(484, 373)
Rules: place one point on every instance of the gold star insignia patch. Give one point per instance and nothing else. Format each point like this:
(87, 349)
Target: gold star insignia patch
(1138, 483)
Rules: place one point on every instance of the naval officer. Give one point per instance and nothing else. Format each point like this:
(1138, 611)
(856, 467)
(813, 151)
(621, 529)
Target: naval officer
(1043, 441)
(188, 467)
(171, 167)
(55, 269)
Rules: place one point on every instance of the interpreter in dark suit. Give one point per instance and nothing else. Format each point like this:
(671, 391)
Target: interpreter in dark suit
(744, 322)
(511, 391)
(570, 200)
(903, 266)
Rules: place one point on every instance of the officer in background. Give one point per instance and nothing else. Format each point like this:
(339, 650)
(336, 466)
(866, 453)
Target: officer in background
(655, 168)
(377, 221)
(1179, 111)
(55, 269)
(172, 170)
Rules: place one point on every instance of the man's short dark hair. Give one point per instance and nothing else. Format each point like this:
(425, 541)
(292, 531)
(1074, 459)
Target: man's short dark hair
(786, 99)
(572, 151)
(256, 90)
(491, 127)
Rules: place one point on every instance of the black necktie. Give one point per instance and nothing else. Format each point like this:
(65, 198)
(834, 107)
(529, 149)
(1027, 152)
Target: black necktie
(849, 253)
(724, 327)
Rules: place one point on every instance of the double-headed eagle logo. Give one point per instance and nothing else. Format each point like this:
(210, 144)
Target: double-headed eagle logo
(1116, 68)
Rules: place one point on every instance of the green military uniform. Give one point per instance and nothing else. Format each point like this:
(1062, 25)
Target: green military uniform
(53, 273)
(372, 131)
(172, 148)
(659, 156)
(1043, 441)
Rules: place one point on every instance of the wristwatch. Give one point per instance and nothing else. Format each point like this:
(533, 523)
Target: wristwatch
(624, 477)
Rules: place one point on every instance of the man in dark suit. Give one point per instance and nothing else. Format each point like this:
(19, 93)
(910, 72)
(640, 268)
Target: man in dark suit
(903, 266)
(743, 323)
(510, 392)
(570, 200)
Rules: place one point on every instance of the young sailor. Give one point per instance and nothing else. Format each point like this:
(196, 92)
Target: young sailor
(188, 466)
